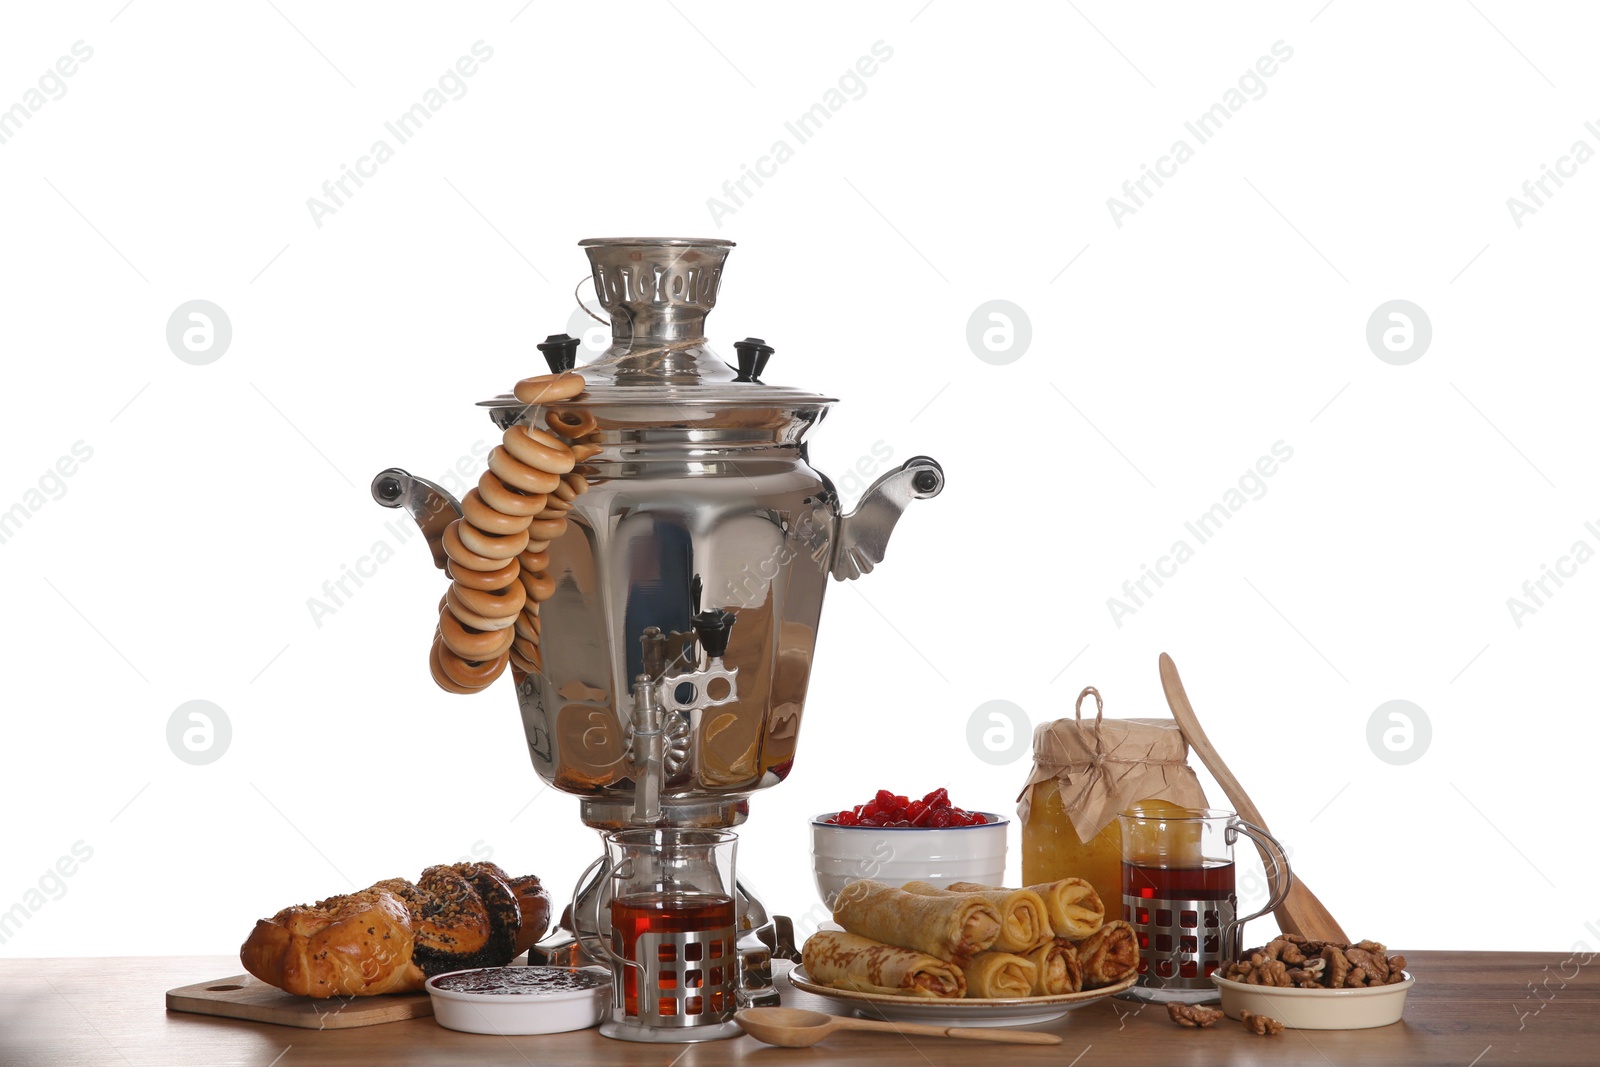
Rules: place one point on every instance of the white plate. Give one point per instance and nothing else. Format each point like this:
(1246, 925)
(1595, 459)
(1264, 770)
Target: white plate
(972, 1011)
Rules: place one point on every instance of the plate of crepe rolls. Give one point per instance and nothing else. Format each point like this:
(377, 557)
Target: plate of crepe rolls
(983, 955)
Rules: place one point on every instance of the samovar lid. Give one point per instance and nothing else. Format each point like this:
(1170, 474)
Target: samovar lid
(658, 292)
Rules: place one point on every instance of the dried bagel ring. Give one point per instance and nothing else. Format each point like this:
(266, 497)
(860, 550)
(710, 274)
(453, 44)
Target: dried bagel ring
(545, 530)
(472, 675)
(540, 587)
(528, 650)
(502, 547)
(478, 512)
(535, 561)
(443, 680)
(492, 605)
(538, 449)
(486, 580)
(581, 451)
(571, 424)
(526, 626)
(506, 500)
(473, 644)
(555, 508)
(518, 475)
(549, 388)
(464, 556)
(468, 617)
(523, 665)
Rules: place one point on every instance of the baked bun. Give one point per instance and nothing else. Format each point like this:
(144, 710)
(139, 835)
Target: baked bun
(355, 945)
(469, 918)
(534, 900)
(391, 937)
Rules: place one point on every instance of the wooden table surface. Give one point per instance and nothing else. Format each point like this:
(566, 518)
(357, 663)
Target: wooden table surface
(1467, 1009)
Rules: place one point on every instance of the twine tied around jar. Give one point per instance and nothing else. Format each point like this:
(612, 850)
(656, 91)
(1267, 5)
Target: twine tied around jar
(1095, 765)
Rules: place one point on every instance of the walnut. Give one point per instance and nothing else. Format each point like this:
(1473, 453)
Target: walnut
(1397, 969)
(1374, 947)
(1338, 968)
(1269, 973)
(1193, 1015)
(1375, 964)
(1305, 979)
(1356, 977)
(1260, 1024)
(1285, 948)
(1235, 971)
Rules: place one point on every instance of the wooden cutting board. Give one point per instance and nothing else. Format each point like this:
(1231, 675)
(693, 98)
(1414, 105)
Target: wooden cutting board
(244, 997)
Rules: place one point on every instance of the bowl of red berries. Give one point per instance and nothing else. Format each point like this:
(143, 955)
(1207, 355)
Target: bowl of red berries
(896, 839)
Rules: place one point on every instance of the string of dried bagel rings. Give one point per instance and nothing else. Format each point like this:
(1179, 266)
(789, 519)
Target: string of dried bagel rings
(498, 549)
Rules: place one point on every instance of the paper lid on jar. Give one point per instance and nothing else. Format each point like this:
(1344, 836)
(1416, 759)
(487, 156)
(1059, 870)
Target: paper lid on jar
(1102, 766)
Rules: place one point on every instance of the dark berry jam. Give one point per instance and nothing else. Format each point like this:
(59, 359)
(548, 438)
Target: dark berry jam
(526, 981)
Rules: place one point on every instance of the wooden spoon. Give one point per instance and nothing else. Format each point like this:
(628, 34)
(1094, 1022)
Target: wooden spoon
(797, 1028)
(1301, 912)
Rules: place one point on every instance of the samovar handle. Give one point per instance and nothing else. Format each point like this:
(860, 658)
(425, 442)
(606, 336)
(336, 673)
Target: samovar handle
(431, 506)
(863, 536)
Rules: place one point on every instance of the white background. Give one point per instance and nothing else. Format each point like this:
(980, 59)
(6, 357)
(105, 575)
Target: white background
(1168, 354)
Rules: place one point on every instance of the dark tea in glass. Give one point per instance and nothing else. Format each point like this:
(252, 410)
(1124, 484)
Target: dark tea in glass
(633, 917)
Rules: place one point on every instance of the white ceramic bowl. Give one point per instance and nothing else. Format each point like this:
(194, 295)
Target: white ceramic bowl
(899, 854)
(534, 1009)
(1360, 1008)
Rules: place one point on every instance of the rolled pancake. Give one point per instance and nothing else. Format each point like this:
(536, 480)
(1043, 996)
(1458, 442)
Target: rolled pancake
(1000, 974)
(950, 926)
(847, 961)
(1109, 956)
(1024, 921)
(1075, 909)
(1057, 968)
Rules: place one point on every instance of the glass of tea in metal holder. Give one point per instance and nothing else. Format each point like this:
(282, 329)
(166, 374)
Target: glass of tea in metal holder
(1178, 894)
(667, 922)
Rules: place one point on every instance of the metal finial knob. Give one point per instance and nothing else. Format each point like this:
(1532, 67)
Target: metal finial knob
(753, 355)
(560, 351)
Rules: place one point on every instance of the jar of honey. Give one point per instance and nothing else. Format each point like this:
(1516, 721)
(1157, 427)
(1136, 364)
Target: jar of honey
(1084, 775)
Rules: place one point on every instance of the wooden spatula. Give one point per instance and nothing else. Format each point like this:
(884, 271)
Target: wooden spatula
(1301, 912)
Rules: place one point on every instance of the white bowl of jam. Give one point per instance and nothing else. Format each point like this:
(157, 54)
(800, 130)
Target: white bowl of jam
(520, 1000)
(899, 854)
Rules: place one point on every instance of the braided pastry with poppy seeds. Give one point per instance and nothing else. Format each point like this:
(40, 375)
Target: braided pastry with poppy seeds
(392, 936)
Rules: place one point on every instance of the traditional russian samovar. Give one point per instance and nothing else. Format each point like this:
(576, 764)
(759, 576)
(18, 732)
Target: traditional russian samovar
(677, 642)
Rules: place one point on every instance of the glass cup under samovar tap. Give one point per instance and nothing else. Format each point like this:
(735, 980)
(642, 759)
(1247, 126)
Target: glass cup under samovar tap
(677, 644)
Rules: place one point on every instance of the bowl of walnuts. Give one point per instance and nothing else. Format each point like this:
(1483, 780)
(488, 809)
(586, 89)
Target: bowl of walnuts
(1317, 985)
